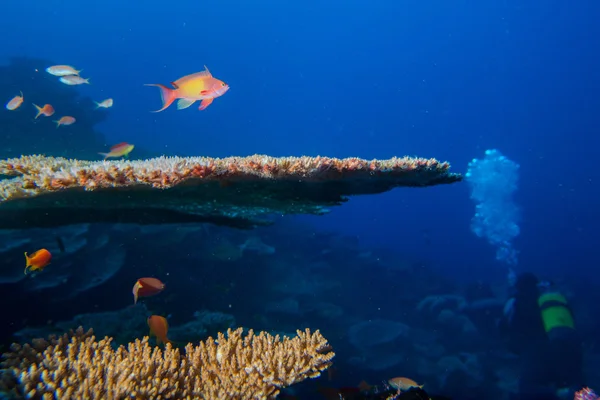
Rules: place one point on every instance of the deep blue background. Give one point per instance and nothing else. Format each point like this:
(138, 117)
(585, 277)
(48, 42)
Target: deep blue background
(444, 79)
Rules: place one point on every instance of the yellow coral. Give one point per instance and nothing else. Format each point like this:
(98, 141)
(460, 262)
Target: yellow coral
(232, 367)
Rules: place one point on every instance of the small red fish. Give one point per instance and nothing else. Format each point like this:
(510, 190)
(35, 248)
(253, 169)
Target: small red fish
(145, 287)
(15, 102)
(65, 121)
(37, 261)
(46, 111)
(159, 327)
(118, 150)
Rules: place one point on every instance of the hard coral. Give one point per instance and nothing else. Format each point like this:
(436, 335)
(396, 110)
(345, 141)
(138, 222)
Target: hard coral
(233, 366)
(234, 191)
(50, 174)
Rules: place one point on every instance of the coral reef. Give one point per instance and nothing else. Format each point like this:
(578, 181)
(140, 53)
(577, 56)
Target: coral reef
(232, 191)
(232, 366)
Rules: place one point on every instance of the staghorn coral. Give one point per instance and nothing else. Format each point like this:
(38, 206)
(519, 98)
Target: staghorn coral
(21, 358)
(231, 191)
(232, 366)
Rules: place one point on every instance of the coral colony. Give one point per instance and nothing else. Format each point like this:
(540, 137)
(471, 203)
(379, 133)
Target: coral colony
(231, 191)
(231, 366)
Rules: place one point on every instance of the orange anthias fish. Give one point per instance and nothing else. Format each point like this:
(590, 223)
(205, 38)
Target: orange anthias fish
(145, 287)
(191, 88)
(65, 121)
(62, 70)
(46, 111)
(37, 261)
(403, 384)
(159, 328)
(104, 104)
(118, 150)
(15, 102)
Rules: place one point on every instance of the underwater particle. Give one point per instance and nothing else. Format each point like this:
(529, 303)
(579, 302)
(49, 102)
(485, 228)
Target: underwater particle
(118, 150)
(66, 120)
(108, 103)
(146, 287)
(159, 327)
(191, 88)
(62, 70)
(15, 102)
(46, 111)
(37, 261)
(73, 80)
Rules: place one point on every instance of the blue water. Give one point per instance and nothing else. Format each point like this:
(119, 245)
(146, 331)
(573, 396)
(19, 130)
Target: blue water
(367, 79)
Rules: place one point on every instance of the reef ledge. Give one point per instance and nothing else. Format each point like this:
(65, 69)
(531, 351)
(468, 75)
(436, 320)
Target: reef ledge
(234, 191)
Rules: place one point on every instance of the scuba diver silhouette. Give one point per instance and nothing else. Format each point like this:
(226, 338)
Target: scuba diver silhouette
(539, 327)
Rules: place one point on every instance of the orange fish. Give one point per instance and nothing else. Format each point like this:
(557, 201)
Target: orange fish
(46, 111)
(118, 150)
(403, 384)
(159, 328)
(38, 260)
(104, 104)
(65, 121)
(145, 287)
(15, 102)
(199, 86)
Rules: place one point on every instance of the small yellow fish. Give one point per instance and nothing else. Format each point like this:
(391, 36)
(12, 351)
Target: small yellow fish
(15, 102)
(62, 70)
(118, 150)
(108, 103)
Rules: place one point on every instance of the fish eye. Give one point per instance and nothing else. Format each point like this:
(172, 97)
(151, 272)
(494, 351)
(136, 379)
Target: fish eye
(223, 84)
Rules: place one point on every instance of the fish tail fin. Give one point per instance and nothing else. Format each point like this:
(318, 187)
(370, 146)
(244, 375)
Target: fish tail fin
(78, 71)
(57, 124)
(97, 105)
(105, 155)
(20, 91)
(167, 95)
(39, 110)
(87, 81)
(27, 262)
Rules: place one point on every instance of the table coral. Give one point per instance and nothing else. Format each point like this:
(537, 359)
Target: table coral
(233, 191)
(232, 366)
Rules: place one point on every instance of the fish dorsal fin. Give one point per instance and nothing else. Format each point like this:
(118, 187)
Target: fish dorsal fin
(175, 85)
(118, 145)
(205, 74)
(184, 103)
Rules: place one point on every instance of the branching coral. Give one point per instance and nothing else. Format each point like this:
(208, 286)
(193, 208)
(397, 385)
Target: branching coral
(231, 191)
(232, 366)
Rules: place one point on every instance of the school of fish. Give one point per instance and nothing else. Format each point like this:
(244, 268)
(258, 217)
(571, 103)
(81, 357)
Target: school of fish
(199, 86)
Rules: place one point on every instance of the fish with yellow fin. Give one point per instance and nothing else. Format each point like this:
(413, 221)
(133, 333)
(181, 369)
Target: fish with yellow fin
(191, 88)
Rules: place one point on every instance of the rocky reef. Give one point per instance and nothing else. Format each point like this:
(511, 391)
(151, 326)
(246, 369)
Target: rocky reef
(234, 191)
